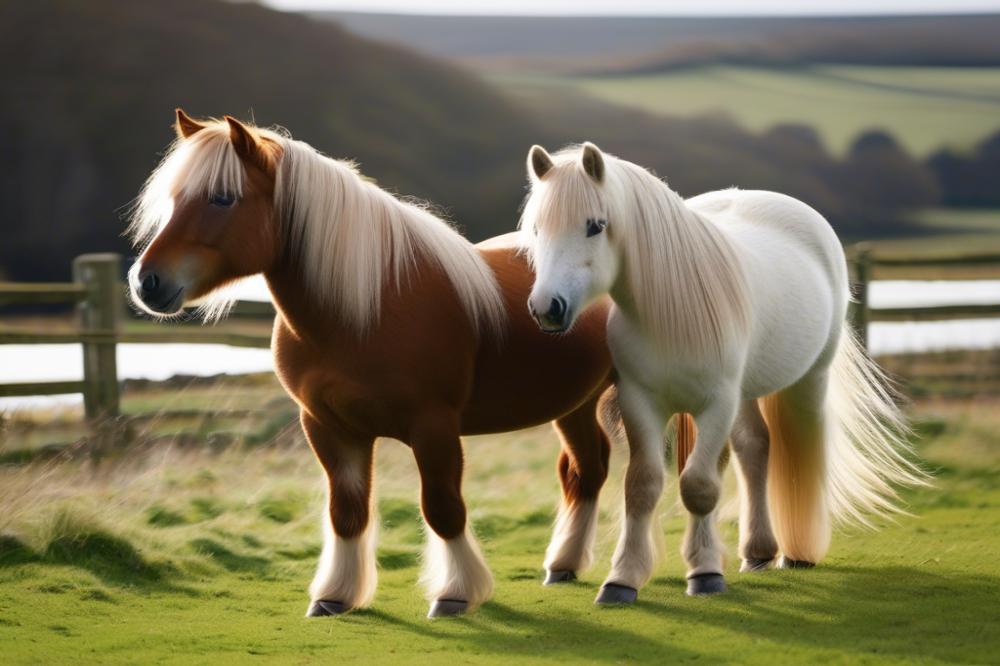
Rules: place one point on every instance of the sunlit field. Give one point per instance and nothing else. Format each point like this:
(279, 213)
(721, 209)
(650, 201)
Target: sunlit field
(925, 108)
(180, 551)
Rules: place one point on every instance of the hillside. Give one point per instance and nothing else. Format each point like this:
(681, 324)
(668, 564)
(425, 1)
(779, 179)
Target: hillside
(90, 88)
(617, 44)
(925, 108)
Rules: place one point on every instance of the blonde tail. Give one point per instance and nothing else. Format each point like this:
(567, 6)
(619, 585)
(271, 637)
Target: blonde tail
(870, 452)
(838, 448)
(687, 433)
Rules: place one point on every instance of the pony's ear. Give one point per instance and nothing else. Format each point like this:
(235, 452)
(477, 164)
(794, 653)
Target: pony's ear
(593, 161)
(247, 146)
(185, 125)
(539, 162)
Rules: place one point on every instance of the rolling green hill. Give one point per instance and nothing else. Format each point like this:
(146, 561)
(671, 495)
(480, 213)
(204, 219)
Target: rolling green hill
(925, 108)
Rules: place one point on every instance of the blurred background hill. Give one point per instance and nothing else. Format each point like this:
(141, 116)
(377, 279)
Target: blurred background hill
(874, 121)
(650, 43)
(90, 88)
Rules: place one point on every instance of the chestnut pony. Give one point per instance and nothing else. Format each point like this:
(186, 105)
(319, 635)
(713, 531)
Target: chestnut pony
(389, 324)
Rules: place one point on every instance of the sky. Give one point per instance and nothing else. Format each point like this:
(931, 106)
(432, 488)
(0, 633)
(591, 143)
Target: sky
(647, 7)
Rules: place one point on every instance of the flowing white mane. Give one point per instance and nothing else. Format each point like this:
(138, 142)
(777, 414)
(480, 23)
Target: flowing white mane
(682, 275)
(351, 238)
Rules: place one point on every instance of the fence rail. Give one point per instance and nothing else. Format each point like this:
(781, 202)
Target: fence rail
(99, 298)
(864, 261)
(53, 292)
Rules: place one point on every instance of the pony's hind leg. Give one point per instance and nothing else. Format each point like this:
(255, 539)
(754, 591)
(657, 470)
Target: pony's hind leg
(635, 556)
(750, 446)
(455, 575)
(346, 576)
(700, 485)
(583, 468)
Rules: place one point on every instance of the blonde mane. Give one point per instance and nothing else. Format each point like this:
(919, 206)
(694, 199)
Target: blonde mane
(351, 238)
(683, 278)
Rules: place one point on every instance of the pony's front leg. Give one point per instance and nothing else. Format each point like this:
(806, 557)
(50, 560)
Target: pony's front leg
(346, 575)
(701, 484)
(750, 442)
(455, 575)
(634, 558)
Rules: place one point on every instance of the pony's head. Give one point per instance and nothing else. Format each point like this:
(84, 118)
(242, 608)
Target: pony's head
(570, 234)
(206, 216)
(595, 224)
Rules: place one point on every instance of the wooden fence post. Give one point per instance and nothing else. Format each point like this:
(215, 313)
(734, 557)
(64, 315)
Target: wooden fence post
(860, 313)
(99, 323)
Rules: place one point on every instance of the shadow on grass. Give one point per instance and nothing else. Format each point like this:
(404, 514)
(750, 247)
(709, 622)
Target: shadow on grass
(111, 559)
(860, 611)
(230, 560)
(491, 628)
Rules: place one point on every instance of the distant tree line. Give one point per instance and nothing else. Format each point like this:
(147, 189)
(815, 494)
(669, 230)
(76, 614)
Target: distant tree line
(867, 192)
(969, 180)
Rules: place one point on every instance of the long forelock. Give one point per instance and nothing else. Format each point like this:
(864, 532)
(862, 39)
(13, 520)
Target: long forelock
(563, 199)
(200, 165)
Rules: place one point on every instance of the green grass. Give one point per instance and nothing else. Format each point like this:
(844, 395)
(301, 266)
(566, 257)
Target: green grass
(924, 107)
(182, 556)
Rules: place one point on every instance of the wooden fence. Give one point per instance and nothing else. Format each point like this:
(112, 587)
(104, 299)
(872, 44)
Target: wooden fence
(102, 315)
(864, 263)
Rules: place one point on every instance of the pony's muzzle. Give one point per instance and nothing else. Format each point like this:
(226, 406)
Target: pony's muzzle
(555, 318)
(156, 293)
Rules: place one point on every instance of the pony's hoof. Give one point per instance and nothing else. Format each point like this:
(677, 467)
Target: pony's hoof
(754, 564)
(447, 608)
(326, 608)
(613, 594)
(787, 563)
(556, 576)
(707, 583)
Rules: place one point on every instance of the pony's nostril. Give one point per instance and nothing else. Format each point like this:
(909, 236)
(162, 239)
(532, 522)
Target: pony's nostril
(557, 308)
(150, 282)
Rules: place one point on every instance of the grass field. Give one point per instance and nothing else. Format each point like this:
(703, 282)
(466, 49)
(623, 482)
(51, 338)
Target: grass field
(925, 108)
(180, 555)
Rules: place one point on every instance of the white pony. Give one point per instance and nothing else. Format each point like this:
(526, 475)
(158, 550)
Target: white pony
(729, 306)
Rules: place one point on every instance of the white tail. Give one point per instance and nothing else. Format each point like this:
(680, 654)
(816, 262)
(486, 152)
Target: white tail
(836, 451)
(870, 452)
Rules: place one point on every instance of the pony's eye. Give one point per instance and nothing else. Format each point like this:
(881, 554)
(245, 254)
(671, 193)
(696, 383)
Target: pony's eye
(223, 200)
(595, 227)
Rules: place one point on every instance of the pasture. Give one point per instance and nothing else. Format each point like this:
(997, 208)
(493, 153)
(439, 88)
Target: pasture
(176, 552)
(925, 108)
